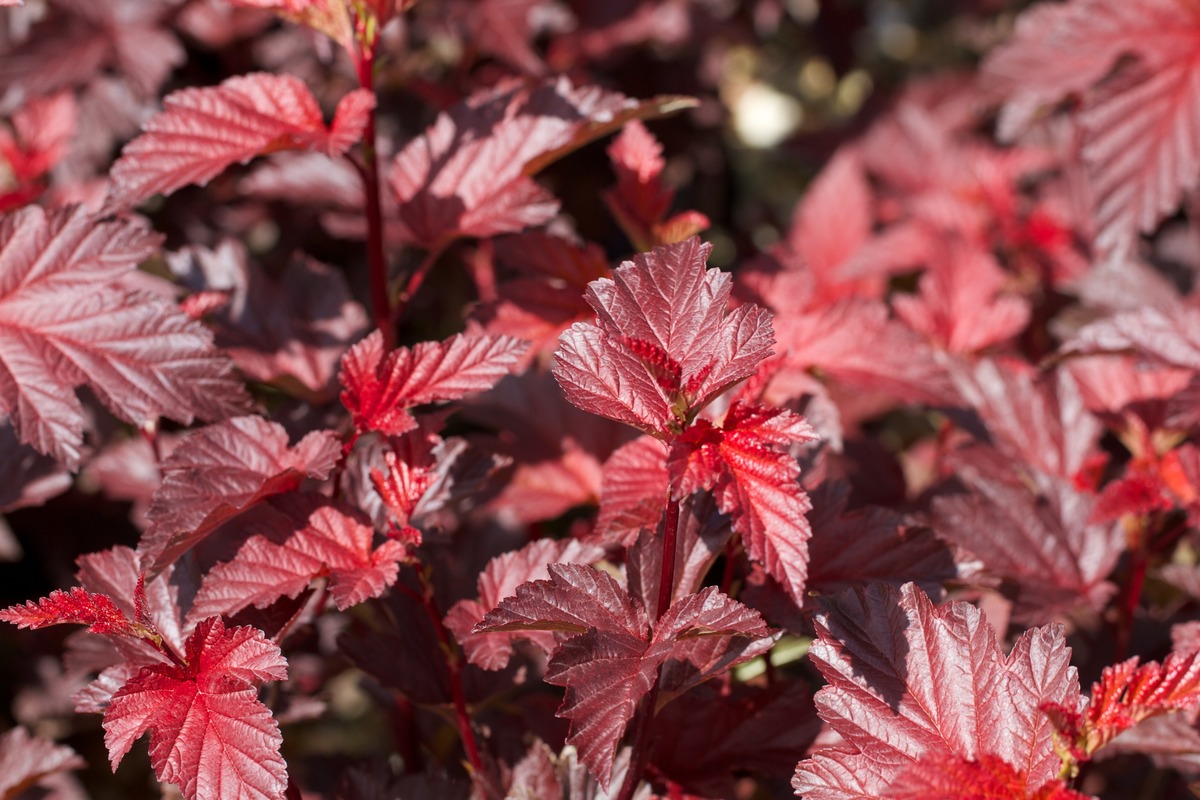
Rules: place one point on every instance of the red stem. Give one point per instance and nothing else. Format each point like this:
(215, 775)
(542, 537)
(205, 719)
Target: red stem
(1133, 591)
(666, 585)
(417, 277)
(369, 171)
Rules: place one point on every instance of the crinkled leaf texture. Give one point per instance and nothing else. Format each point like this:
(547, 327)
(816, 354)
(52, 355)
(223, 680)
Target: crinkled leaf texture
(468, 174)
(909, 682)
(220, 471)
(663, 345)
(1141, 127)
(613, 656)
(752, 481)
(202, 131)
(209, 733)
(305, 536)
(65, 322)
(942, 777)
(76, 606)
(25, 760)
(500, 580)
(380, 387)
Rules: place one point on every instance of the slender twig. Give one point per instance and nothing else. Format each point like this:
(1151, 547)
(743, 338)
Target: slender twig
(369, 172)
(417, 277)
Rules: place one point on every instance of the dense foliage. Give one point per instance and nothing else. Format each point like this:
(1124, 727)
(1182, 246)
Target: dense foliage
(576, 399)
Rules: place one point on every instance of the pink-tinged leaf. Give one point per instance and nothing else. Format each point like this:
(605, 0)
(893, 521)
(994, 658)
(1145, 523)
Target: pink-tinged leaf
(663, 345)
(25, 760)
(1125, 695)
(202, 131)
(290, 332)
(1034, 532)
(945, 777)
(468, 174)
(308, 536)
(66, 322)
(330, 17)
(909, 682)
(633, 490)
(220, 471)
(380, 387)
(753, 482)
(209, 733)
(1139, 164)
(573, 600)
(74, 607)
(959, 305)
(1168, 336)
(498, 581)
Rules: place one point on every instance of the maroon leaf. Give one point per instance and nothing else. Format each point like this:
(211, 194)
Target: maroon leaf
(500, 580)
(208, 731)
(753, 482)
(663, 345)
(908, 681)
(220, 471)
(308, 536)
(26, 477)
(633, 490)
(613, 659)
(201, 131)
(380, 387)
(65, 322)
(468, 174)
(25, 760)
(287, 332)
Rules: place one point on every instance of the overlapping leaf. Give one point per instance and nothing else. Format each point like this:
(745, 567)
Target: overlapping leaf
(740, 462)
(909, 682)
(380, 387)
(307, 536)
(65, 322)
(468, 174)
(201, 131)
(220, 471)
(613, 655)
(209, 733)
(25, 760)
(663, 345)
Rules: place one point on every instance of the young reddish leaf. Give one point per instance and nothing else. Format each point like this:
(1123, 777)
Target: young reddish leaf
(209, 733)
(908, 681)
(220, 471)
(308, 536)
(66, 322)
(330, 17)
(74, 607)
(468, 174)
(201, 131)
(663, 345)
(500, 580)
(287, 332)
(633, 490)
(947, 777)
(753, 482)
(379, 387)
(613, 659)
(25, 760)
(1139, 164)
(1125, 695)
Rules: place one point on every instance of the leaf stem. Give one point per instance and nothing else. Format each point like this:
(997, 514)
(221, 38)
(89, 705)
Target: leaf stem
(376, 259)
(418, 275)
(666, 584)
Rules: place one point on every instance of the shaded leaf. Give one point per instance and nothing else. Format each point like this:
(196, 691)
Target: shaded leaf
(25, 760)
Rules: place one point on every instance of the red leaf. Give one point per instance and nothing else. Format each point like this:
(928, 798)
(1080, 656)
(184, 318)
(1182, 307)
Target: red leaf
(500, 580)
(208, 731)
(201, 131)
(308, 536)
(288, 331)
(944, 777)
(633, 490)
(468, 174)
(1140, 164)
(908, 681)
(753, 482)
(74, 607)
(25, 760)
(1168, 336)
(66, 322)
(220, 471)
(663, 345)
(1125, 695)
(613, 659)
(379, 387)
